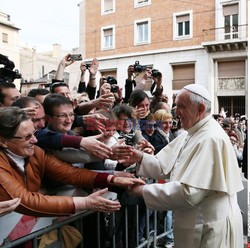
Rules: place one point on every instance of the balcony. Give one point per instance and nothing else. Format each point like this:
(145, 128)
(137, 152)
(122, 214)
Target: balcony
(225, 39)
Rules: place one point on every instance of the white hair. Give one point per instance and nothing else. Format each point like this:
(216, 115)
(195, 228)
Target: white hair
(196, 99)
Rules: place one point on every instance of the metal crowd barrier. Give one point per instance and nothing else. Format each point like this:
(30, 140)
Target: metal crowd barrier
(17, 229)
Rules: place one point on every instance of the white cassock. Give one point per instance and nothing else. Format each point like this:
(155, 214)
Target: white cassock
(205, 178)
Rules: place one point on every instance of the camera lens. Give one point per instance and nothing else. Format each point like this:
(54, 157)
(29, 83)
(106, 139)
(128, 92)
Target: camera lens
(156, 73)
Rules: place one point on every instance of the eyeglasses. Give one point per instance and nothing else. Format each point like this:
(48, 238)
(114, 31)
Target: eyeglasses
(26, 138)
(65, 116)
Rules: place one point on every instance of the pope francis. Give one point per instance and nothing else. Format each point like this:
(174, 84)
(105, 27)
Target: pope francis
(204, 177)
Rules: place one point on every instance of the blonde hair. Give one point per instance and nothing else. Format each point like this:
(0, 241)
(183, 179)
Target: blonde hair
(162, 114)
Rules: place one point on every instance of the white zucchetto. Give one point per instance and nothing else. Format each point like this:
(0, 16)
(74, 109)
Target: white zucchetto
(198, 90)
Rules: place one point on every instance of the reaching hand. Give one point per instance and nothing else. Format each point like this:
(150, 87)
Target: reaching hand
(105, 101)
(96, 202)
(83, 67)
(127, 182)
(121, 151)
(123, 174)
(31, 111)
(94, 67)
(158, 81)
(105, 89)
(92, 145)
(130, 72)
(66, 61)
(147, 74)
(136, 157)
(7, 207)
(145, 146)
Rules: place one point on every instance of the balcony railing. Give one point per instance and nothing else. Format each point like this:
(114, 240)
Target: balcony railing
(225, 38)
(226, 33)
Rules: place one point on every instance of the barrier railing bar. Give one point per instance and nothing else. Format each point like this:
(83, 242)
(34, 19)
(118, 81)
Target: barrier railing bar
(56, 225)
(98, 230)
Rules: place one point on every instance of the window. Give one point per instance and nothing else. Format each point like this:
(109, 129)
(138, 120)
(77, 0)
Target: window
(108, 38)
(233, 104)
(232, 75)
(111, 73)
(141, 3)
(231, 14)
(107, 7)
(183, 75)
(183, 25)
(4, 38)
(142, 32)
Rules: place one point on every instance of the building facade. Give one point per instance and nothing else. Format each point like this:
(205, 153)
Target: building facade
(9, 41)
(189, 42)
(34, 65)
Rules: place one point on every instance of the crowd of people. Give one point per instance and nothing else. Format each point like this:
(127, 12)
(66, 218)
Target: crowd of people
(104, 138)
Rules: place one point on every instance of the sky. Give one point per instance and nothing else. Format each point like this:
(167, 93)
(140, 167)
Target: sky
(45, 22)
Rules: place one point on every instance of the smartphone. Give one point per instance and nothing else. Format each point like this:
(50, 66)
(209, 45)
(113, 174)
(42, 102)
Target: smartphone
(76, 57)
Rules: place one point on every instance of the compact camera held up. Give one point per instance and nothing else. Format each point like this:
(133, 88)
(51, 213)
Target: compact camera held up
(113, 83)
(156, 73)
(76, 57)
(139, 68)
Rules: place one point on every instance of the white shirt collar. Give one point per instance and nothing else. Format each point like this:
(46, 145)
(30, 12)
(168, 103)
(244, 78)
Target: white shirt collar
(19, 160)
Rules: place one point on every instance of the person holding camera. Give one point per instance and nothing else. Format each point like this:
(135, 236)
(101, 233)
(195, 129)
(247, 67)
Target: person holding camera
(91, 87)
(129, 83)
(58, 86)
(93, 68)
(109, 85)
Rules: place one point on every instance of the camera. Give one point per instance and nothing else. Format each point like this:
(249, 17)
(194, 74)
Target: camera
(87, 66)
(129, 139)
(113, 83)
(76, 57)
(111, 80)
(6, 73)
(156, 73)
(114, 88)
(138, 67)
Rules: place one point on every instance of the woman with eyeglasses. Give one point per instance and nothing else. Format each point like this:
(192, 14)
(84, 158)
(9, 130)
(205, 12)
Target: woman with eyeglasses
(23, 166)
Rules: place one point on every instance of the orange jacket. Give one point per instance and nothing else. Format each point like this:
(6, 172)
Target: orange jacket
(14, 183)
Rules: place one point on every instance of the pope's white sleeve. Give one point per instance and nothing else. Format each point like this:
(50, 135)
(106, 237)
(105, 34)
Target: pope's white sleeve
(172, 196)
(150, 167)
(194, 195)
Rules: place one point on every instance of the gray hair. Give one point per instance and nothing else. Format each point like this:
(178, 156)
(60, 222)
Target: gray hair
(196, 99)
(10, 120)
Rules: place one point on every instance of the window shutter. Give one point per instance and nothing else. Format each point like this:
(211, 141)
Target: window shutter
(108, 32)
(232, 9)
(183, 18)
(231, 69)
(108, 5)
(183, 75)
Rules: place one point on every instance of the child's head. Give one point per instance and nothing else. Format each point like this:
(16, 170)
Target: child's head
(125, 117)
